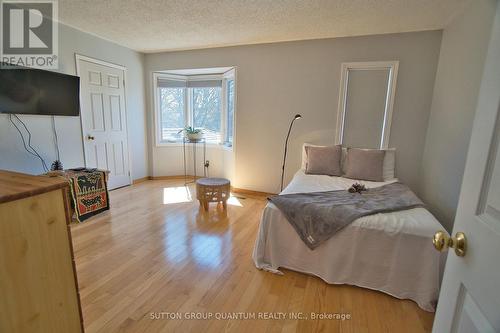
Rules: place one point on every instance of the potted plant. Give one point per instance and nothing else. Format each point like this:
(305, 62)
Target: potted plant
(192, 133)
(56, 169)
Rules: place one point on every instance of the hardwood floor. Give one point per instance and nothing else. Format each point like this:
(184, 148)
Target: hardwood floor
(153, 257)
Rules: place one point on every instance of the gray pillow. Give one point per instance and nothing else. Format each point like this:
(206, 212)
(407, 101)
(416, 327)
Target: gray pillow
(324, 160)
(365, 164)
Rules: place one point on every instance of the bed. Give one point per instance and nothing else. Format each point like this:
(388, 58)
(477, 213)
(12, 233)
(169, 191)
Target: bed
(389, 252)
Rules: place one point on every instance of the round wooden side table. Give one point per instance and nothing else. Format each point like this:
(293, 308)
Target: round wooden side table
(212, 190)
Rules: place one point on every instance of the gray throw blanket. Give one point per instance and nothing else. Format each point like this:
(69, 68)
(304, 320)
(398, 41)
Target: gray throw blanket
(317, 216)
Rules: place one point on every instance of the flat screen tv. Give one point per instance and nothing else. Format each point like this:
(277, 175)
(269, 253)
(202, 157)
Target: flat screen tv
(39, 92)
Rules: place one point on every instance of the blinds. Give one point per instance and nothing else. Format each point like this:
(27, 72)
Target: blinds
(204, 83)
(173, 83)
(170, 83)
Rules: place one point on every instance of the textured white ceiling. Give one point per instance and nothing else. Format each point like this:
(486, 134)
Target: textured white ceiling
(162, 25)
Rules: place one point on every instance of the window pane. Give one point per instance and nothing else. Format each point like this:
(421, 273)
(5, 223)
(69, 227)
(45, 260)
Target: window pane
(172, 113)
(230, 111)
(365, 107)
(207, 112)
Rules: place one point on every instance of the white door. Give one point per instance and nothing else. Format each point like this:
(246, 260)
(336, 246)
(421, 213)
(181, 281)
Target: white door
(104, 121)
(470, 295)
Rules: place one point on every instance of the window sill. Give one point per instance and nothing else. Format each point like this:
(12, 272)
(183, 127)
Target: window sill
(180, 144)
(227, 148)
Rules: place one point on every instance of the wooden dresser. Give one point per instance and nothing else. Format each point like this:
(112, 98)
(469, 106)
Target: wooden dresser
(38, 285)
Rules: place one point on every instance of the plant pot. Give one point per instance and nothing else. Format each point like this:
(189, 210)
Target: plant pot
(194, 136)
(55, 173)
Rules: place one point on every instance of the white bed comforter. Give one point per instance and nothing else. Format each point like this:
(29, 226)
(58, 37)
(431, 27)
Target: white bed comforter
(390, 252)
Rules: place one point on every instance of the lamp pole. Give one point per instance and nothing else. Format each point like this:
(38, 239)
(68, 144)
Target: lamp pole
(297, 116)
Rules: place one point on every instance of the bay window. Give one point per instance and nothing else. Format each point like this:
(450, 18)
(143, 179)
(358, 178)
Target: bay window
(204, 102)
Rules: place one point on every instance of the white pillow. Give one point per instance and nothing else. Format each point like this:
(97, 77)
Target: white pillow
(388, 167)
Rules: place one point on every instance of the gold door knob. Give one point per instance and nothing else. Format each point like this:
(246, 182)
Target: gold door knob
(442, 241)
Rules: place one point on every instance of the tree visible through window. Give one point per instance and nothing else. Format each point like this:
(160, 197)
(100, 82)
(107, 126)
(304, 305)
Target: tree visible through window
(172, 113)
(230, 112)
(207, 106)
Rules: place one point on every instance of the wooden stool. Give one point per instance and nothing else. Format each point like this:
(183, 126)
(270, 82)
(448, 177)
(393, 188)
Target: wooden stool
(212, 190)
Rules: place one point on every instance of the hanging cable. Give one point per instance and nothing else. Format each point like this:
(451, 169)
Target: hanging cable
(55, 137)
(28, 145)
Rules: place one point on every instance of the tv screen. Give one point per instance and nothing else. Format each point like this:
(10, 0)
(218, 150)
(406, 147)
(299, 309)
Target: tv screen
(35, 91)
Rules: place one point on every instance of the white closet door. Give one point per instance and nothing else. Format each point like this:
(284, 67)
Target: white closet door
(104, 122)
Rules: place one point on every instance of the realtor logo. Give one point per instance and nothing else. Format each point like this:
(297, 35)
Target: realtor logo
(29, 35)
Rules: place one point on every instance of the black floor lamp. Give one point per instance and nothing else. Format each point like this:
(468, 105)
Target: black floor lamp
(297, 116)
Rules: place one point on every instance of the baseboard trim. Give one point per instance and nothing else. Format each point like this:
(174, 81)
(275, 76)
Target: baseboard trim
(251, 192)
(190, 177)
(172, 177)
(140, 180)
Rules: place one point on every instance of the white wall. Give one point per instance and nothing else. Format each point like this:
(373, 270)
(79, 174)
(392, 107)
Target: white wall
(169, 161)
(461, 60)
(71, 41)
(276, 81)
